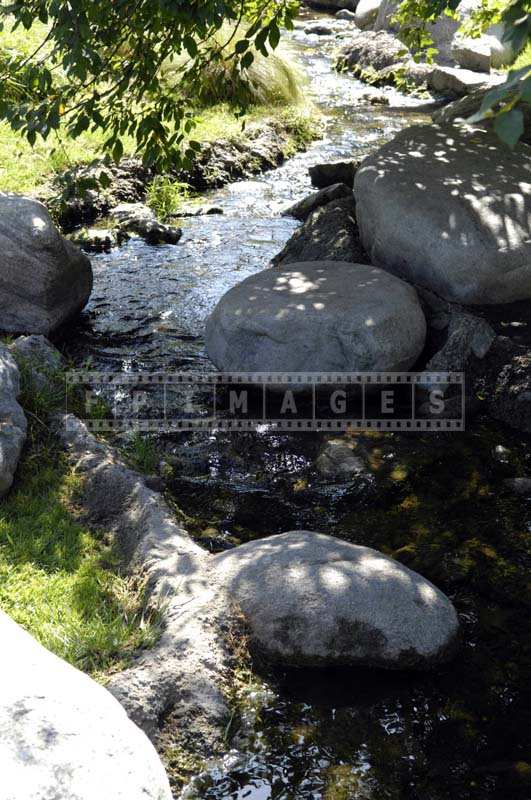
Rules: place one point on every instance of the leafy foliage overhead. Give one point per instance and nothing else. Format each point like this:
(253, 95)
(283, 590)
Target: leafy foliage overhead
(100, 63)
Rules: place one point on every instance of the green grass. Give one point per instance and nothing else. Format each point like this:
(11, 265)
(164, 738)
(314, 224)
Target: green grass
(274, 83)
(58, 578)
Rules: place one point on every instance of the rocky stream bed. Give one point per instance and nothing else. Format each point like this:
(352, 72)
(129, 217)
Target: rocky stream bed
(440, 503)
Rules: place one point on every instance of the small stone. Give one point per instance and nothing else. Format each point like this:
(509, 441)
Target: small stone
(346, 15)
(318, 29)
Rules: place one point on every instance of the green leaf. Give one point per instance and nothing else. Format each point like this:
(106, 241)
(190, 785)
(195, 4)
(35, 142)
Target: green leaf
(242, 46)
(510, 126)
(247, 60)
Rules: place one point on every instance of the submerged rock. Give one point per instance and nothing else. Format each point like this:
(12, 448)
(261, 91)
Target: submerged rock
(44, 279)
(338, 459)
(318, 316)
(506, 384)
(465, 234)
(318, 29)
(13, 424)
(313, 600)
(138, 218)
(304, 208)
(64, 736)
(329, 234)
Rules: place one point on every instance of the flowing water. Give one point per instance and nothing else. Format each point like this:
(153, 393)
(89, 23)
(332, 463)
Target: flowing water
(437, 502)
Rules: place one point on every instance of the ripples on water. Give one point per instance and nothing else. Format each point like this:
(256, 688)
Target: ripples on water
(336, 735)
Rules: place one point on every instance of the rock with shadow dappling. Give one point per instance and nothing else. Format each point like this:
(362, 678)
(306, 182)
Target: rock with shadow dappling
(450, 210)
(318, 316)
(313, 600)
(45, 279)
(63, 736)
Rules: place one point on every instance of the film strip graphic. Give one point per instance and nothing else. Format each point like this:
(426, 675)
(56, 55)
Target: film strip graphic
(247, 401)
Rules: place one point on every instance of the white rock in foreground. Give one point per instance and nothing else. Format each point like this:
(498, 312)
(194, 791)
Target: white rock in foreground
(318, 316)
(313, 600)
(63, 736)
(449, 209)
(44, 278)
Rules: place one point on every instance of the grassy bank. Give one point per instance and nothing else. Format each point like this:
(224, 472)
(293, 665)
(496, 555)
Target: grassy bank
(59, 578)
(274, 91)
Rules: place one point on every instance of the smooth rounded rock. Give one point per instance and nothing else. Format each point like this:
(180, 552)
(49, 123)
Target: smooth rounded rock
(313, 600)
(318, 316)
(65, 737)
(44, 278)
(449, 209)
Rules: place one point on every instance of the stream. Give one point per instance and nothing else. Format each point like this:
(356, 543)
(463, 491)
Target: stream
(437, 502)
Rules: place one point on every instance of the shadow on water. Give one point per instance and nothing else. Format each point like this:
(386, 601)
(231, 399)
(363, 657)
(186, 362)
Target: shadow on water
(436, 502)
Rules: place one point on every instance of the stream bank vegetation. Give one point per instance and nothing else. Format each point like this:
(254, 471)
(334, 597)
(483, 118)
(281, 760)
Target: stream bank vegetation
(116, 85)
(60, 578)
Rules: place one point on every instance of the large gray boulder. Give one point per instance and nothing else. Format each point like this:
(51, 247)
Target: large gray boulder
(65, 737)
(13, 424)
(329, 234)
(44, 279)
(313, 600)
(317, 316)
(449, 209)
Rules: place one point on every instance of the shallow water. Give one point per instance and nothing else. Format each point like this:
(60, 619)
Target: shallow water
(436, 502)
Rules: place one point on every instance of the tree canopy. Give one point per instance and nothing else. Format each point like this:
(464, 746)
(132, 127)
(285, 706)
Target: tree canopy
(100, 64)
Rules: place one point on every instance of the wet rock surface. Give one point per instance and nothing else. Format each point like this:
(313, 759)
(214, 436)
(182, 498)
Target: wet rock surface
(323, 175)
(304, 208)
(372, 51)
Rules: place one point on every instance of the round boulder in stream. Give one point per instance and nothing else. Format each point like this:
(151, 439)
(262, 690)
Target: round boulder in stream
(313, 600)
(317, 316)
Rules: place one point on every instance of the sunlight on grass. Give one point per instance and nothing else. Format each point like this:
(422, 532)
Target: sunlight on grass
(59, 579)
